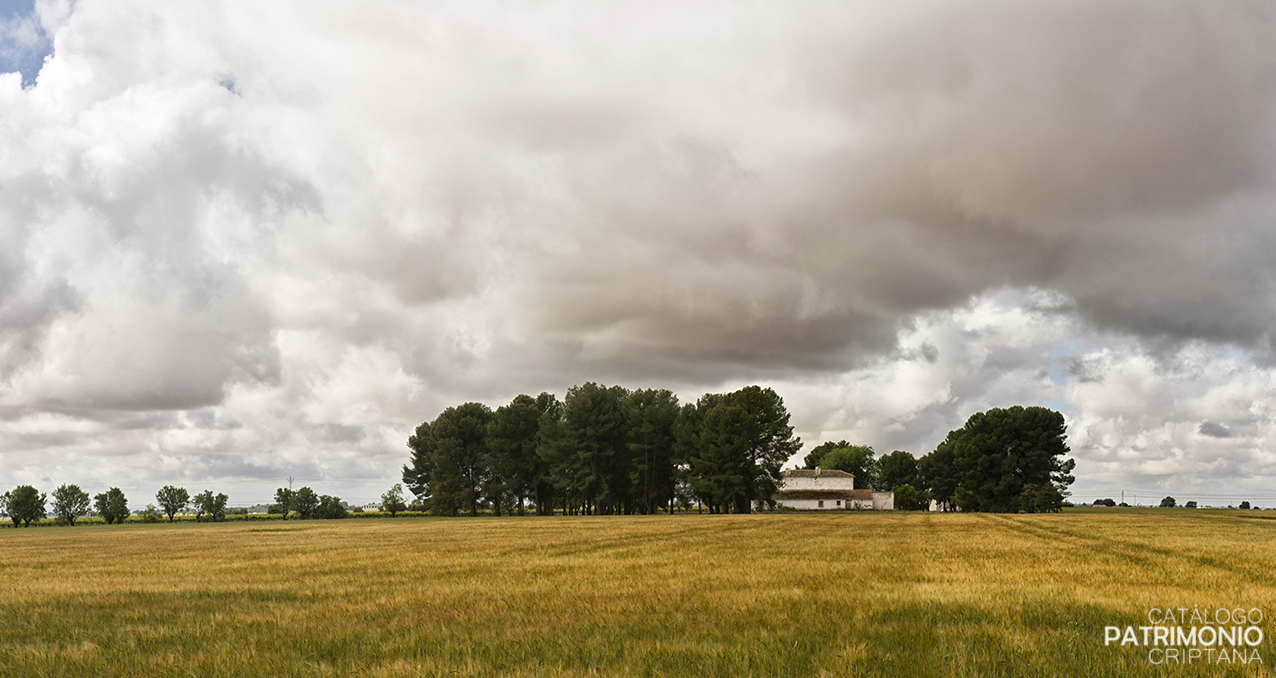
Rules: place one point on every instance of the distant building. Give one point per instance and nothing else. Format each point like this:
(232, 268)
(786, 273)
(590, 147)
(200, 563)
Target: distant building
(820, 490)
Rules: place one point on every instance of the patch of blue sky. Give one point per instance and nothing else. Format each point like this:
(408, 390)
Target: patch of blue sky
(1234, 352)
(11, 8)
(228, 81)
(1061, 353)
(23, 43)
(1058, 372)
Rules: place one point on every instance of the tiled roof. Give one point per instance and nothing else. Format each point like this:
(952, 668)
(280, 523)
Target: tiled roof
(815, 473)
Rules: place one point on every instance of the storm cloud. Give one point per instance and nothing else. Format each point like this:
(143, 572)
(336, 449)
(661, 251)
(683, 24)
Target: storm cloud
(257, 239)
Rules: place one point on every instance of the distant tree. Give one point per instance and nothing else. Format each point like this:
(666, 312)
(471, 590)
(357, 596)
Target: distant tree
(418, 476)
(217, 509)
(305, 502)
(1190, 504)
(25, 504)
(512, 450)
(593, 432)
(392, 500)
(650, 415)
(735, 444)
(556, 479)
(1167, 502)
(549, 481)
(1104, 502)
(856, 460)
(458, 470)
(1043, 498)
(214, 505)
(709, 457)
(684, 496)
(938, 473)
(112, 506)
(69, 503)
(1008, 460)
(518, 472)
(1245, 505)
(905, 498)
(199, 501)
(813, 458)
(172, 500)
(895, 469)
(284, 498)
(330, 508)
(150, 514)
(1123, 505)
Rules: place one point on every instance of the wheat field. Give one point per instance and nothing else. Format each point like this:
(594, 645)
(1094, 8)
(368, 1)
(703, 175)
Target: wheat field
(887, 594)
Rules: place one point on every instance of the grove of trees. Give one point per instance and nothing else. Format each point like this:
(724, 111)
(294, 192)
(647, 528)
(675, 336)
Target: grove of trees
(602, 450)
(306, 504)
(1002, 461)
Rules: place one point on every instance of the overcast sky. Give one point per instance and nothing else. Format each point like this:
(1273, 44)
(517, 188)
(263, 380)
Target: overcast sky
(246, 240)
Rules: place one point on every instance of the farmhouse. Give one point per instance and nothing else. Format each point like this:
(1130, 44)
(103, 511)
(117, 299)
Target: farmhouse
(820, 490)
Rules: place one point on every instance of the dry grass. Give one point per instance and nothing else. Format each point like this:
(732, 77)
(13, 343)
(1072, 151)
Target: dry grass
(763, 595)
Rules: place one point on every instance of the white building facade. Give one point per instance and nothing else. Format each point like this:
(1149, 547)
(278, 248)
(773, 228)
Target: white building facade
(820, 490)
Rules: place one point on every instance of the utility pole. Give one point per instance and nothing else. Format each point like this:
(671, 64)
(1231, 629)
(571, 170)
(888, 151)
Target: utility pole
(1122, 496)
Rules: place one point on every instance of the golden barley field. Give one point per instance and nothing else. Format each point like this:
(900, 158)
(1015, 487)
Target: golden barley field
(889, 594)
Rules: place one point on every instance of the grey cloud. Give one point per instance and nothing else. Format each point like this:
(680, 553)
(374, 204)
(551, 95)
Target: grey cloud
(339, 434)
(1078, 147)
(1119, 153)
(1085, 370)
(1214, 430)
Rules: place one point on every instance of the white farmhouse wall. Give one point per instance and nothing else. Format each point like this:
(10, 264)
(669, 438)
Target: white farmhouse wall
(809, 505)
(829, 504)
(820, 483)
(806, 490)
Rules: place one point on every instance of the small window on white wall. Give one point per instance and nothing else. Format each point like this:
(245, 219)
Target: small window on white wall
(839, 502)
(821, 504)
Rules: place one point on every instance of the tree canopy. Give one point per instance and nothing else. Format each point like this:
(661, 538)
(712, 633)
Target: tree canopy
(392, 500)
(24, 505)
(856, 460)
(1003, 461)
(212, 505)
(897, 469)
(112, 506)
(70, 503)
(172, 500)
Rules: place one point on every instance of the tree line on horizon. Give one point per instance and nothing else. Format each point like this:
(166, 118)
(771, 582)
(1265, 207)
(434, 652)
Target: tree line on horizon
(605, 450)
(25, 504)
(608, 450)
(602, 450)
